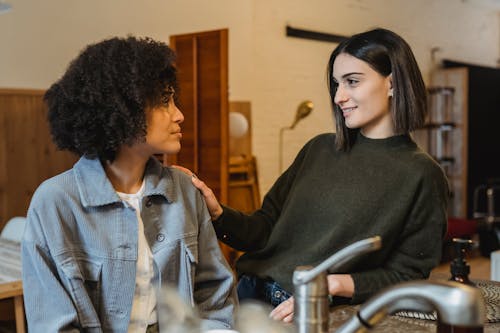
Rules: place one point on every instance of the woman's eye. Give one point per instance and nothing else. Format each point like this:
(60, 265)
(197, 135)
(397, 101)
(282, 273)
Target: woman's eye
(351, 81)
(165, 99)
(167, 95)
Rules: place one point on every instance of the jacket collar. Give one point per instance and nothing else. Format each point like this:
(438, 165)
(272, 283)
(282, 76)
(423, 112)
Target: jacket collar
(96, 190)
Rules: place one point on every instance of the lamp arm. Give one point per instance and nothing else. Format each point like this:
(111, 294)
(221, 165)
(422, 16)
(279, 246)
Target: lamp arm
(280, 147)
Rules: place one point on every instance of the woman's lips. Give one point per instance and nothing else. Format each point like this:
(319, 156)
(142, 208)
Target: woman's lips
(347, 111)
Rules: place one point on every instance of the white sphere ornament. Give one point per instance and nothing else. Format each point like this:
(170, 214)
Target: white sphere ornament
(238, 125)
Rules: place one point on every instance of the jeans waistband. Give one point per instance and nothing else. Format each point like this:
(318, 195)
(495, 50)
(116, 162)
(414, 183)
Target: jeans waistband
(265, 290)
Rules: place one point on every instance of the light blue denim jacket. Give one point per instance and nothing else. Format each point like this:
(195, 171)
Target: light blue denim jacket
(79, 251)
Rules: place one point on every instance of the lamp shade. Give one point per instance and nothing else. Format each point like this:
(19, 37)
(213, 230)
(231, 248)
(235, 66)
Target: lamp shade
(238, 125)
(303, 110)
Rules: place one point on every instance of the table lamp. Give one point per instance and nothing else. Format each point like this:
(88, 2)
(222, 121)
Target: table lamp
(303, 110)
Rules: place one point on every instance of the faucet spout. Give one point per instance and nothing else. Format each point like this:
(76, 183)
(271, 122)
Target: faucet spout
(311, 286)
(338, 259)
(456, 304)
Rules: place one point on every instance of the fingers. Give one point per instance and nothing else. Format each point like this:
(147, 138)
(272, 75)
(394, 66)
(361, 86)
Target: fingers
(284, 311)
(289, 318)
(214, 208)
(199, 184)
(183, 169)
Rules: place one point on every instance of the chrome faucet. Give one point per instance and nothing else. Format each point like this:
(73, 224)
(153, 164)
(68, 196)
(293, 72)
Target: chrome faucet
(455, 303)
(311, 286)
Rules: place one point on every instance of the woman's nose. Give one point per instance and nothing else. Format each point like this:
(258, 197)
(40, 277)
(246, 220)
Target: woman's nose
(340, 96)
(179, 116)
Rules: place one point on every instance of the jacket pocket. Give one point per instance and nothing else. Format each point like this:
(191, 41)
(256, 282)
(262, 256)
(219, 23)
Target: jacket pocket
(192, 252)
(84, 277)
(191, 262)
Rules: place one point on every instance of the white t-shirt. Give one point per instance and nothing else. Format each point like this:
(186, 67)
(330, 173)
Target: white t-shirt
(144, 304)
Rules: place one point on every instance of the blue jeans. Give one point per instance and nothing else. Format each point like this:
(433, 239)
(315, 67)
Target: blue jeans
(268, 291)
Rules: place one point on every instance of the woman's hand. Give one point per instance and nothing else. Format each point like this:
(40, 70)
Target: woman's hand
(284, 311)
(338, 284)
(213, 205)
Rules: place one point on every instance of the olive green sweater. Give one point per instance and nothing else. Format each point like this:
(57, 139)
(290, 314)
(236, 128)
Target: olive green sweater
(329, 199)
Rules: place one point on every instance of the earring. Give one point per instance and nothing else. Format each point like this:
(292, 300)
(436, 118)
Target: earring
(390, 93)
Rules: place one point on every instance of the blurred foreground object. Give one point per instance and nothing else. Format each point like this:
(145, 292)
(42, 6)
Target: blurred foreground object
(174, 315)
(253, 317)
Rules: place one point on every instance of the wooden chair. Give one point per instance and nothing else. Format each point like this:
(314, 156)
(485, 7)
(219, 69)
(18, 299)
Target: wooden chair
(243, 194)
(243, 184)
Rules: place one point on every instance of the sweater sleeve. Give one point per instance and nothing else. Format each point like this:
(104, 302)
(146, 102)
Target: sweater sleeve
(418, 249)
(250, 232)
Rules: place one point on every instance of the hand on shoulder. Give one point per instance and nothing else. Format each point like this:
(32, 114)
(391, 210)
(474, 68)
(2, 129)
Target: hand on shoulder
(213, 205)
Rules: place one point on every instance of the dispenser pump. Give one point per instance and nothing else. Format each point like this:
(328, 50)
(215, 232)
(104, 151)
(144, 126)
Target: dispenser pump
(459, 268)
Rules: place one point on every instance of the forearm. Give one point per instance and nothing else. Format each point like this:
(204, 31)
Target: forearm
(243, 232)
(368, 283)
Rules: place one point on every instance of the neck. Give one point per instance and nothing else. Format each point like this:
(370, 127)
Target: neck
(126, 172)
(381, 128)
(379, 133)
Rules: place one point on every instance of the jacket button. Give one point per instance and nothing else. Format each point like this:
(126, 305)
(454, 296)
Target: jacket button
(277, 294)
(160, 237)
(149, 203)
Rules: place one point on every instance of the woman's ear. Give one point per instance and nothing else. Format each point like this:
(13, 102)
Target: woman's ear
(391, 90)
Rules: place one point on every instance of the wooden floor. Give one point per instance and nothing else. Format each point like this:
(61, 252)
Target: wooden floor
(480, 269)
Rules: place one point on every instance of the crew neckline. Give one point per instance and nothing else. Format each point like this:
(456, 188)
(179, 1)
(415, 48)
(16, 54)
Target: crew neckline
(392, 141)
(139, 193)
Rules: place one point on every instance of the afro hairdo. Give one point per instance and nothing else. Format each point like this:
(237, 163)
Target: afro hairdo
(99, 104)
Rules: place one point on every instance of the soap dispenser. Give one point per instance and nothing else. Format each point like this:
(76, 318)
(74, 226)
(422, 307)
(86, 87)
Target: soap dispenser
(459, 268)
(459, 273)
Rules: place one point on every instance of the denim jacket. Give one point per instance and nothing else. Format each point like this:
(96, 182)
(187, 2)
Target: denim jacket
(79, 251)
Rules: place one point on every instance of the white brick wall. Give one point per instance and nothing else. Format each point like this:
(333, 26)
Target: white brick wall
(275, 73)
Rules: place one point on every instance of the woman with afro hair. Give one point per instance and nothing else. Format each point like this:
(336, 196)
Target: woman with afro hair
(103, 237)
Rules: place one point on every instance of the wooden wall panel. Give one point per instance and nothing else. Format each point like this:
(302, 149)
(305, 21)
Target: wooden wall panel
(202, 65)
(203, 79)
(188, 103)
(27, 154)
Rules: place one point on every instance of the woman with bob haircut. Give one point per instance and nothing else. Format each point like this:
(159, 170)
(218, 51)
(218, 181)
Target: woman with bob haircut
(367, 179)
(103, 237)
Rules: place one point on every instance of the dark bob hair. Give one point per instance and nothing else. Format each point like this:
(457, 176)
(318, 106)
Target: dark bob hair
(387, 53)
(99, 104)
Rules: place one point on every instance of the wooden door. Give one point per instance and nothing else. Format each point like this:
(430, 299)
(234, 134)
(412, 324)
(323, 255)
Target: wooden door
(202, 64)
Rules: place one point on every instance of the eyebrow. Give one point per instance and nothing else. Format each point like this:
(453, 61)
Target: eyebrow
(352, 73)
(349, 74)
